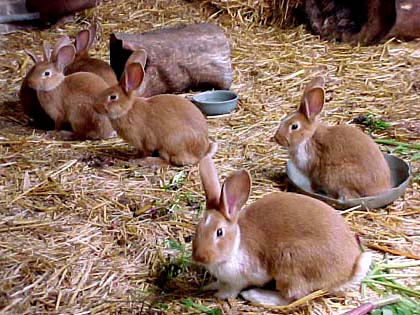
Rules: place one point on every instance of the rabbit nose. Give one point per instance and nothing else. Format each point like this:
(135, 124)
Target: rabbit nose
(281, 140)
(199, 257)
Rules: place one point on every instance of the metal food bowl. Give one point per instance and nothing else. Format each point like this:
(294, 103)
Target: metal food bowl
(400, 176)
(216, 102)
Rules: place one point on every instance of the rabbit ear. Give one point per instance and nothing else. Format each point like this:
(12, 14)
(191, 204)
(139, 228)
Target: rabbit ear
(139, 56)
(313, 98)
(92, 34)
(63, 41)
(132, 77)
(235, 193)
(318, 81)
(34, 57)
(46, 50)
(211, 185)
(65, 56)
(82, 41)
(313, 102)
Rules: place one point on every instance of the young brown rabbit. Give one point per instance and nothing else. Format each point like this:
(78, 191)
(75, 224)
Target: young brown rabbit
(28, 97)
(169, 124)
(340, 160)
(300, 242)
(84, 63)
(69, 98)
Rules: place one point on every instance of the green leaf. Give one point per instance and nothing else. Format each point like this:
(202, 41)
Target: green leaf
(172, 244)
(403, 311)
(388, 311)
(376, 312)
(202, 308)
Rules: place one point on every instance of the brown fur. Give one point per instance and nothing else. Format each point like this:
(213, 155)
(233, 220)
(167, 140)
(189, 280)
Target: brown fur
(342, 161)
(84, 63)
(300, 242)
(70, 99)
(28, 96)
(31, 106)
(313, 248)
(407, 24)
(169, 124)
(357, 21)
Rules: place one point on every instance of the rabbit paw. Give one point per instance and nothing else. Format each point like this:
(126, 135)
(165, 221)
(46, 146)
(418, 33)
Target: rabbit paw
(152, 161)
(227, 292)
(113, 134)
(61, 135)
(265, 297)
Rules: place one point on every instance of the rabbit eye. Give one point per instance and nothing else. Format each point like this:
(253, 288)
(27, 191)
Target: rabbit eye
(294, 126)
(47, 73)
(219, 232)
(112, 97)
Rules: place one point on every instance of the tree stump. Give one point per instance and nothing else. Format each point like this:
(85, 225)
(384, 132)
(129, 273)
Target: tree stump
(182, 58)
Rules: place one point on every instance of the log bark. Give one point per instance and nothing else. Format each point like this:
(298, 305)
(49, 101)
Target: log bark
(179, 59)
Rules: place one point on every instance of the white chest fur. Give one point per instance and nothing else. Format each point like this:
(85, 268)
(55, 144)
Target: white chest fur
(302, 156)
(240, 271)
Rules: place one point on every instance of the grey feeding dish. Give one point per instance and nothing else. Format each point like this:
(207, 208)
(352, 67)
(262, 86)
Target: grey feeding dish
(400, 176)
(216, 102)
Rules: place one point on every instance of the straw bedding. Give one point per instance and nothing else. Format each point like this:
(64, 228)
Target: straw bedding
(85, 231)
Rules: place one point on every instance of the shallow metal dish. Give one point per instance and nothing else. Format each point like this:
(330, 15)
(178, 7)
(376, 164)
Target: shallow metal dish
(216, 102)
(400, 176)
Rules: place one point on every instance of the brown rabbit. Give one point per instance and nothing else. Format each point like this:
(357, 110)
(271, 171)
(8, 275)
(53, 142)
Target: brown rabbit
(84, 63)
(28, 98)
(169, 124)
(340, 160)
(69, 98)
(300, 242)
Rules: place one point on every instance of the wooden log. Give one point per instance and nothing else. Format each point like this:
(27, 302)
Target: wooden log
(15, 10)
(179, 59)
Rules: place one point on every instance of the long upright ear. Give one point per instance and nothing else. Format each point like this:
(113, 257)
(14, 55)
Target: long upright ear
(46, 50)
(132, 77)
(34, 57)
(65, 56)
(62, 41)
(92, 34)
(312, 103)
(82, 41)
(139, 56)
(318, 81)
(235, 193)
(211, 185)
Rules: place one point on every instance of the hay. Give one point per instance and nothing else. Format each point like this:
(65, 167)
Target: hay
(84, 231)
(260, 12)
